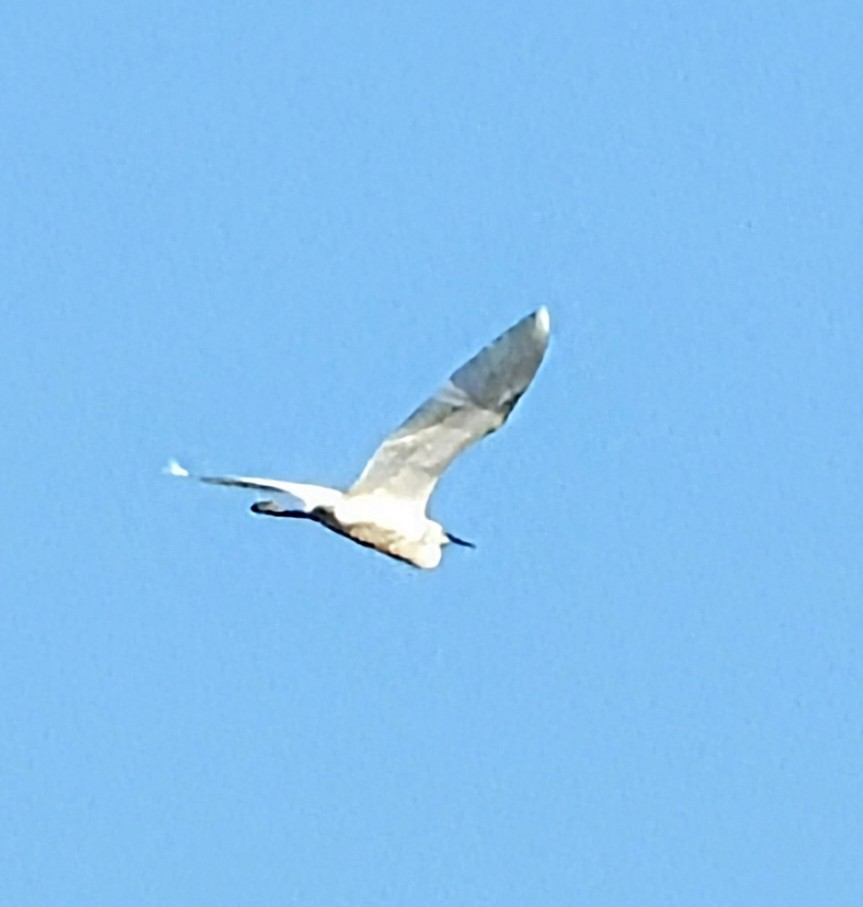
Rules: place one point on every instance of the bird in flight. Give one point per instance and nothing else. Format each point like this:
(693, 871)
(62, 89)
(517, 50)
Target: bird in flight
(385, 508)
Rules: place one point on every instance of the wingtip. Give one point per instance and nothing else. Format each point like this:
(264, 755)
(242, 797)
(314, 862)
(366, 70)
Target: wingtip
(175, 469)
(543, 319)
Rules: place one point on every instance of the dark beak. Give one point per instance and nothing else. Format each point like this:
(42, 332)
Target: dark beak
(457, 541)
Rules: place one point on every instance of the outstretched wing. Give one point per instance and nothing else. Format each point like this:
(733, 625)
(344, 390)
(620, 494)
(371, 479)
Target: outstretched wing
(476, 401)
(310, 496)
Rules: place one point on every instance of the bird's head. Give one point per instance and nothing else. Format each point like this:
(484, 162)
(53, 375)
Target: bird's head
(436, 535)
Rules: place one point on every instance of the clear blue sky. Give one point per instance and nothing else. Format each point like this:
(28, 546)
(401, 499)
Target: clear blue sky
(254, 236)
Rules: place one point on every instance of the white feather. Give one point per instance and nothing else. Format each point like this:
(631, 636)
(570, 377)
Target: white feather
(174, 469)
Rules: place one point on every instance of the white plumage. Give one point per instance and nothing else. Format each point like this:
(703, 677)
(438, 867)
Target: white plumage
(385, 508)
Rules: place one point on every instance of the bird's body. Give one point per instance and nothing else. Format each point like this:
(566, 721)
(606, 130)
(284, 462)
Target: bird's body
(385, 508)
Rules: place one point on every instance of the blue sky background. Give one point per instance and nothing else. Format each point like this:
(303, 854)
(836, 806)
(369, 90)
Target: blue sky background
(254, 236)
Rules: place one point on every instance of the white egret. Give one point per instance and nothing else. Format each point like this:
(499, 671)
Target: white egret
(385, 508)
